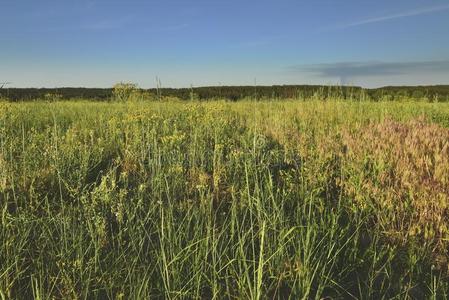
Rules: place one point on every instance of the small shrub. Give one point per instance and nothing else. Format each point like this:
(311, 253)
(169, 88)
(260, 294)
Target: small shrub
(124, 91)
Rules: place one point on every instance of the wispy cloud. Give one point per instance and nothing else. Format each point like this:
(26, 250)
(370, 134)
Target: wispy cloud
(108, 24)
(404, 14)
(351, 70)
(91, 4)
(127, 21)
(174, 27)
(257, 43)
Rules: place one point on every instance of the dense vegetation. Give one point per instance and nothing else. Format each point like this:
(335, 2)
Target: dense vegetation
(428, 93)
(246, 200)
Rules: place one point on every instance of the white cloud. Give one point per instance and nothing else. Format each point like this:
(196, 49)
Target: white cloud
(404, 14)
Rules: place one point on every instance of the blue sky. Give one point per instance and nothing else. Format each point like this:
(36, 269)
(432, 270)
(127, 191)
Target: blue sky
(95, 43)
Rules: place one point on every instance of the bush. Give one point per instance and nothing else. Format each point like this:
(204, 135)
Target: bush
(125, 91)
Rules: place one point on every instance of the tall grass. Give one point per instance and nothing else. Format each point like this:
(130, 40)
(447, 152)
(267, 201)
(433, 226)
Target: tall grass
(277, 200)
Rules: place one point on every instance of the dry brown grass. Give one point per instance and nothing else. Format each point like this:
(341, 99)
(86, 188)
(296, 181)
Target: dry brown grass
(402, 169)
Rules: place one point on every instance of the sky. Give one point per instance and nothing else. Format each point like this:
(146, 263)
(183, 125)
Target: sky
(96, 43)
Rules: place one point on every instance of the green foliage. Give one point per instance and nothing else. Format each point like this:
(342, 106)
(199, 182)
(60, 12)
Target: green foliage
(52, 97)
(201, 200)
(125, 91)
(438, 93)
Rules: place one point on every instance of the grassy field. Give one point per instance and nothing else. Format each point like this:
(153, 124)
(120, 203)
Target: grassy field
(246, 200)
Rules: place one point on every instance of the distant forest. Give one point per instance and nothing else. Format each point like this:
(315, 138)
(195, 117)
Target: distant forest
(234, 93)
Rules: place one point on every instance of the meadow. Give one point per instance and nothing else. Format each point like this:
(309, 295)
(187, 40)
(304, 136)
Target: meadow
(247, 200)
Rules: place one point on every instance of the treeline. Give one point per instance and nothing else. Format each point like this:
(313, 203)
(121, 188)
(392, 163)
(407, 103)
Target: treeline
(234, 93)
(26, 94)
(432, 93)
